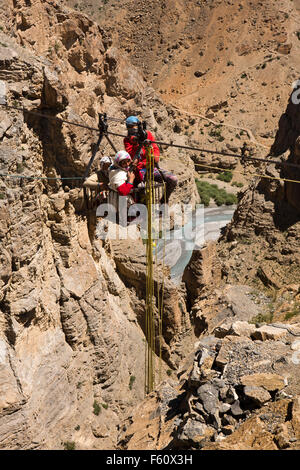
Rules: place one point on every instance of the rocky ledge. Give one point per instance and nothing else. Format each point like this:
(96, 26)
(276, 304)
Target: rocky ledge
(239, 390)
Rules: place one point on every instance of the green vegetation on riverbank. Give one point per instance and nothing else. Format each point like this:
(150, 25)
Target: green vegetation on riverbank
(225, 176)
(209, 191)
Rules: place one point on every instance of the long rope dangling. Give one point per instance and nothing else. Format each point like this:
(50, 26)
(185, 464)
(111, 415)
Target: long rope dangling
(150, 328)
(160, 295)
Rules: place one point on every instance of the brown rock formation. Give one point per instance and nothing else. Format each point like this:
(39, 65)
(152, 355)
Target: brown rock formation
(71, 345)
(203, 270)
(266, 222)
(228, 396)
(72, 308)
(176, 326)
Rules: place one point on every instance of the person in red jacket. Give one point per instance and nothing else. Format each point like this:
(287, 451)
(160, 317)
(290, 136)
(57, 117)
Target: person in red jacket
(120, 178)
(135, 145)
(121, 181)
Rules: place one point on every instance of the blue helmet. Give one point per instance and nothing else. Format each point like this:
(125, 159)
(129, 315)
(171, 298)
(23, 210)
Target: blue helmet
(132, 121)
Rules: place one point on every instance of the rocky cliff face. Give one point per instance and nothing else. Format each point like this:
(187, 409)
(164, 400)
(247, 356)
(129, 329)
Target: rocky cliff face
(267, 218)
(71, 324)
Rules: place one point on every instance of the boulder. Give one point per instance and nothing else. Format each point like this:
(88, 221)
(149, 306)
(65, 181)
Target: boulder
(236, 409)
(270, 382)
(238, 328)
(268, 332)
(251, 435)
(208, 394)
(193, 431)
(258, 394)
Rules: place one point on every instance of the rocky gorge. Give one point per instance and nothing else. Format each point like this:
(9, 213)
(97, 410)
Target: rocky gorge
(72, 307)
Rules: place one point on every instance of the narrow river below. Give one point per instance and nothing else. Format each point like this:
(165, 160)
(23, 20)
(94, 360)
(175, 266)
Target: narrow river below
(178, 246)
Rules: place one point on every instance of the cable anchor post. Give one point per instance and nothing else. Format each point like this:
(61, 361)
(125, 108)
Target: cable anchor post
(102, 123)
(103, 127)
(244, 153)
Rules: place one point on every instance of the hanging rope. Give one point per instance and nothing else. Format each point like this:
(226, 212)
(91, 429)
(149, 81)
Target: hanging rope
(161, 299)
(152, 196)
(150, 324)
